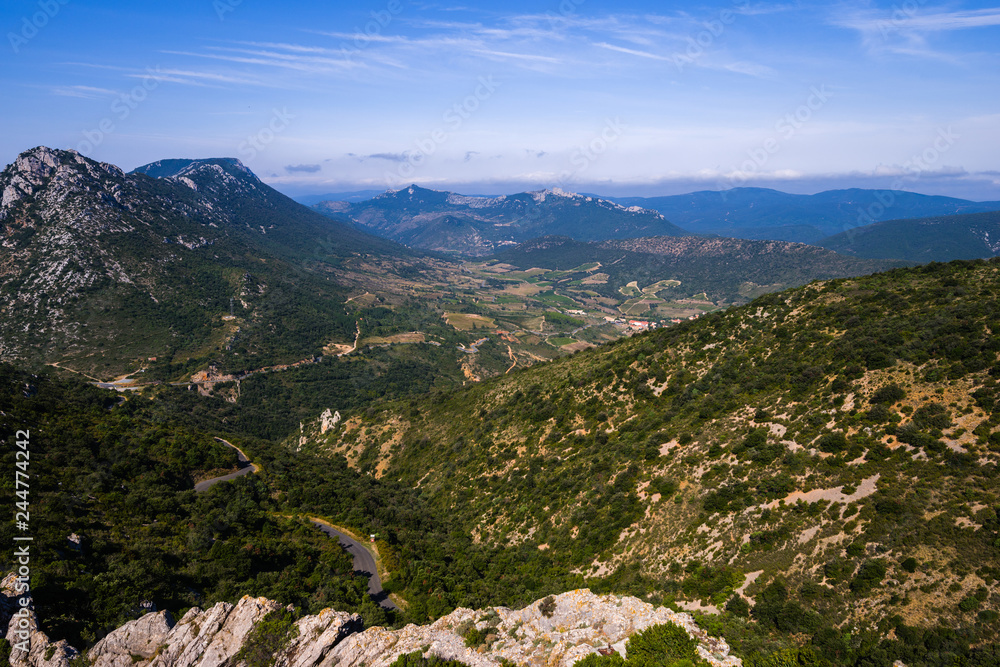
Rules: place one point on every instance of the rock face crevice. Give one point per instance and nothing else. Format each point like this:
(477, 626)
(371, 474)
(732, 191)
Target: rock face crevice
(556, 631)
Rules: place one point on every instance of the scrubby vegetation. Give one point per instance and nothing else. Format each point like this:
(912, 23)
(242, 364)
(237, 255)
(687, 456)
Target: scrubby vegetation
(115, 520)
(820, 464)
(119, 474)
(820, 438)
(666, 645)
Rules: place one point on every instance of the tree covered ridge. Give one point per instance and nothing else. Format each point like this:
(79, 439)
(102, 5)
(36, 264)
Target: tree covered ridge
(825, 436)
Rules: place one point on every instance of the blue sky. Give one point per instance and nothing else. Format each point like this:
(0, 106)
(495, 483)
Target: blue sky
(615, 98)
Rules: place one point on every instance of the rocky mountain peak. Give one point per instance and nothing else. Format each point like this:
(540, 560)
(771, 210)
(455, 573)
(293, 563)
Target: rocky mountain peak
(36, 169)
(540, 195)
(223, 176)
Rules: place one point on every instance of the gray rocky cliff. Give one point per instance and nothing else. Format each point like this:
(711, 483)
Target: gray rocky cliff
(567, 628)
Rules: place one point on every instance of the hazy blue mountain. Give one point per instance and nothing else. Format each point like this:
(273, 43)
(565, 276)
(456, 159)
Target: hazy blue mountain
(936, 239)
(352, 196)
(726, 269)
(762, 213)
(445, 221)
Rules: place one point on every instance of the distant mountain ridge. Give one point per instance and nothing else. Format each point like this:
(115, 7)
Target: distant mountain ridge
(728, 269)
(351, 196)
(450, 222)
(762, 213)
(747, 213)
(933, 239)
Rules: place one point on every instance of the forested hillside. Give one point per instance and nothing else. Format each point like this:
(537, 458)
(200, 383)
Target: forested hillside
(937, 239)
(833, 447)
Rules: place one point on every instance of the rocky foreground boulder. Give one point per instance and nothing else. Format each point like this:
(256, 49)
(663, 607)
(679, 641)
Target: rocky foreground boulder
(555, 631)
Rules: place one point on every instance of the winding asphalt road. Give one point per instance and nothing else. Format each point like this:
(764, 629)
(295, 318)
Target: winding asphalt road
(243, 462)
(364, 562)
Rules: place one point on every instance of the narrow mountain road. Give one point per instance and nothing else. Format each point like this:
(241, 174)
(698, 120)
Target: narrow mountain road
(55, 364)
(364, 562)
(357, 337)
(513, 360)
(246, 467)
(356, 297)
(585, 326)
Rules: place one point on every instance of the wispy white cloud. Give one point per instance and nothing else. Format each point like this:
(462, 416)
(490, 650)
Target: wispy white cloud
(749, 68)
(354, 37)
(85, 92)
(193, 77)
(305, 65)
(530, 57)
(747, 8)
(294, 60)
(900, 20)
(631, 52)
(559, 45)
(908, 33)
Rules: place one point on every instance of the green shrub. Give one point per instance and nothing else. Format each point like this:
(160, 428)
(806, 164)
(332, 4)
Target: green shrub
(738, 606)
(660, 645)
(932, 416)
(869, 575)
(417, 659)
(789, 657)
(889, 394)
(547, 606)
(878, 414)
(664, 486)
(833, 443)
(810, 590)
(474, 637)
(710, 582)
(856, 548)
(268, 637)
(987, 616)
(968, 603)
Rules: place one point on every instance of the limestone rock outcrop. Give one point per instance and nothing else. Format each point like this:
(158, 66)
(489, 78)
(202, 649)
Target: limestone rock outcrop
(578, 624)
(210, 638)
(20, 628)
(556, 631)
(139, 638)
